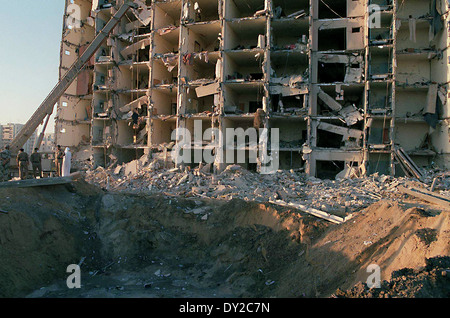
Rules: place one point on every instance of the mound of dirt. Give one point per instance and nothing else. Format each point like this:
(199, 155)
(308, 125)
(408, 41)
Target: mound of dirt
(433, 281)
(385, 234)
(42, 233)
(137, 245)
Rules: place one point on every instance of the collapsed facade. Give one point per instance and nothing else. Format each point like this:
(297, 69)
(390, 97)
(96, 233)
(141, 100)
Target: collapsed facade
(353, 86)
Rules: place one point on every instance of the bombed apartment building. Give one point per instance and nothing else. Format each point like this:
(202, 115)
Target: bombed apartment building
(354, 87)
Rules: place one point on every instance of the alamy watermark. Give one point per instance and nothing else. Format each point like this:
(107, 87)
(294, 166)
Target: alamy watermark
(374, 21)
(73, 19)
(236, 145)
(74, 279)
(374, 279)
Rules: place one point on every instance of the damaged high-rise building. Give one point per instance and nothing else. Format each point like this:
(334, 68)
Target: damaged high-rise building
(353, 86)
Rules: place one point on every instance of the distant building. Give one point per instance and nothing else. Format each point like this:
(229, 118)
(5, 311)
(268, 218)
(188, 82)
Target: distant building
(9, 131)
(47, 144)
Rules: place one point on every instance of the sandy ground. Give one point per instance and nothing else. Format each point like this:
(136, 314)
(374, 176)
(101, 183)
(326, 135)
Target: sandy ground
(136, 245)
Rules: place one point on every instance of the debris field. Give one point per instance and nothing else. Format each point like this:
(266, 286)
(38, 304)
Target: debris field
(168, 232)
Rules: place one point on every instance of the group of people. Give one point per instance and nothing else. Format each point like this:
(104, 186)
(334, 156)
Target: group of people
(23, 160)
(62, 163)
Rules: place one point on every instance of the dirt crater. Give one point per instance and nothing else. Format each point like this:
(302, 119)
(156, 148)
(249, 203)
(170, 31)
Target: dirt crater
(150, 245)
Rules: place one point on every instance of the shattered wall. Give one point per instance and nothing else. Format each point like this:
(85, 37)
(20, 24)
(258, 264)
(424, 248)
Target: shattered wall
(422, 81)
(344, 91)
(73, 114)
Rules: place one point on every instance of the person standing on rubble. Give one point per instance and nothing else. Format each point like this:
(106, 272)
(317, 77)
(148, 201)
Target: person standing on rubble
(258, 121)
(66, 162)
(36, 163)
(135, 119)
(59, 156)
(22, 163)
(5, 157)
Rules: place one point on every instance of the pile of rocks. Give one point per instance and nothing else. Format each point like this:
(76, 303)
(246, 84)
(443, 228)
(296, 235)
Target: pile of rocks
(334, 196)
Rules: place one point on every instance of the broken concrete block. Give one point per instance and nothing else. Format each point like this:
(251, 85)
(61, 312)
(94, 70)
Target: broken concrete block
(329, 101)
(198, 190)
(348, 172)
(117, 170)
(220, 190)
(206, 168)
(353, 75)
(131, 167)
(207, 90)
(233, 168)
(351, 115)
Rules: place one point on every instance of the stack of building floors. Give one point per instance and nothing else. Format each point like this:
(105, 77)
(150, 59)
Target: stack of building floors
(347, 83)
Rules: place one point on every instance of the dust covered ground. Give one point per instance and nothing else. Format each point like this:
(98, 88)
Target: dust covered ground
(155, 245)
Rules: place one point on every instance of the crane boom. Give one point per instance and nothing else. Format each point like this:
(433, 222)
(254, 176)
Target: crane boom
(46, 108)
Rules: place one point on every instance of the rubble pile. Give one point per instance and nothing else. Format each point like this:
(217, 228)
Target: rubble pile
(334, 196)
(432, 281)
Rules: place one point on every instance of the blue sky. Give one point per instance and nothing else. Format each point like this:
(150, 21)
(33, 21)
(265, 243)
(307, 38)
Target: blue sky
(30, 36)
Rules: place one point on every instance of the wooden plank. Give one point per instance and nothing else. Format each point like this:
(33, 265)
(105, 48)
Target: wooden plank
(425, 196)
(312, 211)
